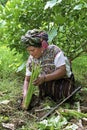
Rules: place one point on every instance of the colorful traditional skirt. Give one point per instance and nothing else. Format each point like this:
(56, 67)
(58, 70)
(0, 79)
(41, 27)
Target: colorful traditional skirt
(58, 89)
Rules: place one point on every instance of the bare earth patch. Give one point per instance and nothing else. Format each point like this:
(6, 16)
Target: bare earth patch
(12, 117)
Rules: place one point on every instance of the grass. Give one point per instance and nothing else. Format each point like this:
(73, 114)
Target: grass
(10, 88)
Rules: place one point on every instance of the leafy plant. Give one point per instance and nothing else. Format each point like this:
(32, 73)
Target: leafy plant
(62, 20)
(73, 113)
(10, 60)
(81, 72)
(35, 73)
(54, 123)
(3, 2)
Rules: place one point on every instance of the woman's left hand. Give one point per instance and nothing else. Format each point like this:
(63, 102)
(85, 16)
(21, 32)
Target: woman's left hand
(39, 80)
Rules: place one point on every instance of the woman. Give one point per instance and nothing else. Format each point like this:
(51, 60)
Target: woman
(56, 79)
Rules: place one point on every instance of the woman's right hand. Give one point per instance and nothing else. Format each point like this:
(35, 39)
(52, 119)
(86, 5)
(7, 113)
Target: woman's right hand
(39, 80)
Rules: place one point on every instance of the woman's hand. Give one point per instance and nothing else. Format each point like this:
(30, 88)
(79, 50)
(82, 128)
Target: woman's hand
(39, 80)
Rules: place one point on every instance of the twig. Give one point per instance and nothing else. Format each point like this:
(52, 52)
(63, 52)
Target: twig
(43, 109)
(33, 116)
(80, 121)
(83, 108)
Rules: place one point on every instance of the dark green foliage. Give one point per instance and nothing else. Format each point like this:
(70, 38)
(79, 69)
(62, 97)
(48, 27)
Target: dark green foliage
(65, 21)
(3, 2)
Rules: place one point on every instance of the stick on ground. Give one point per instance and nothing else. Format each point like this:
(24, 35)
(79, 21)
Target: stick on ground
(51, 111)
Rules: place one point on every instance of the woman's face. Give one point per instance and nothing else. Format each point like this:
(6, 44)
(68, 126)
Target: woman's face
(36, 52)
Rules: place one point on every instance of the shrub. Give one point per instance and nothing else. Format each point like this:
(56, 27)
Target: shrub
(10, 60)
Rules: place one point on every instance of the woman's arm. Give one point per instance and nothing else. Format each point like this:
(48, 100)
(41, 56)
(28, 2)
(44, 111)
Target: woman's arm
(57, 74)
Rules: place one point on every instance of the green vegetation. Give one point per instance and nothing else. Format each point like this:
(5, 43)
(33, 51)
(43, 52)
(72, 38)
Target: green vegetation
(66, 24)
(73, 113)
(10, 60)
(79, 66)
(35, 73)
(62, 20)
(11, 90)
(3, 2)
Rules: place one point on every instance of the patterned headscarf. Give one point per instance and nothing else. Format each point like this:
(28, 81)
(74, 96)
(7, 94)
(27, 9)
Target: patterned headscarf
(35, 38)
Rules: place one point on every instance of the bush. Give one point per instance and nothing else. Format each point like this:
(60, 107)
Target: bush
(79, 66)
(10, 60)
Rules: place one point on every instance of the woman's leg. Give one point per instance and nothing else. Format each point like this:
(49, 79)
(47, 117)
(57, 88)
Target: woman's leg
(57, 89)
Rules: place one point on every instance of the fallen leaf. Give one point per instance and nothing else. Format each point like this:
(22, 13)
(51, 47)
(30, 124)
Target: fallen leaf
(4, 102)
(8, 125)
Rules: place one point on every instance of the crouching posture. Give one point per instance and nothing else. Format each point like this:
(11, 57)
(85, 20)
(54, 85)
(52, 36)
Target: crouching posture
(56, 79)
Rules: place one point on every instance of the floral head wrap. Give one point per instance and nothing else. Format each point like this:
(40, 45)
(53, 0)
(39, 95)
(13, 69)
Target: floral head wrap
(35, 38)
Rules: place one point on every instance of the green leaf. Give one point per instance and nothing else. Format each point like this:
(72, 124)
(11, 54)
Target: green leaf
(78, 7)
(71, 127)
(2, 23)
(21, 67)
(52, 34)
(53, 123)
(52, 3)
(60, 19)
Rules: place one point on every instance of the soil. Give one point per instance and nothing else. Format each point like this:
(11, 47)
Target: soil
(13, 117)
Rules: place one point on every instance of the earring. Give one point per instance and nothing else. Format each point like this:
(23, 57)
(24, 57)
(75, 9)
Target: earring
(42, 52)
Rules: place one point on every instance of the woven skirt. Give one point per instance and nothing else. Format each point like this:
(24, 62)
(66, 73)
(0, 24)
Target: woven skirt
(57, 89)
